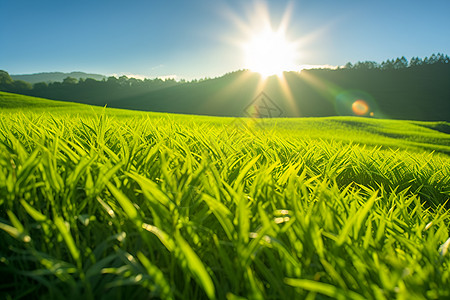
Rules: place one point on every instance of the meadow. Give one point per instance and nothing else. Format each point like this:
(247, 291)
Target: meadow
(104, 203)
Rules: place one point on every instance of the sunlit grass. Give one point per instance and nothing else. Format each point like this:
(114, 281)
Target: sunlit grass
(114, 204)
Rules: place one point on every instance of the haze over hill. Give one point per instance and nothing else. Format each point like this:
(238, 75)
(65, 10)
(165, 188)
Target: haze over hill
(54, 76)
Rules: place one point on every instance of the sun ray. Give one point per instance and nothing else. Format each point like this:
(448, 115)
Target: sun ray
(286, 18)
(286, 90)
(268, 48)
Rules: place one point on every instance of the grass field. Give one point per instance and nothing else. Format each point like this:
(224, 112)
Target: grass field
(103, 203)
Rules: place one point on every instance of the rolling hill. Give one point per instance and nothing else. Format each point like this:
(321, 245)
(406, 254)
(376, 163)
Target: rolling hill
(419, 94)
(413, 93)
(365, 131)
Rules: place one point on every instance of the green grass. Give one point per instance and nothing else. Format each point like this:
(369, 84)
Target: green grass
(102, 203)
(15, 101)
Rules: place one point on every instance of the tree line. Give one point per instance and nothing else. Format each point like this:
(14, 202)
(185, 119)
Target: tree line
(88, 90)
(7, 84)
(399, 63)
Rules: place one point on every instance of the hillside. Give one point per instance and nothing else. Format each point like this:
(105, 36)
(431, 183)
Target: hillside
(390, 134)
(15, 103)
(11, 101)
(413, 93)
(421, 93)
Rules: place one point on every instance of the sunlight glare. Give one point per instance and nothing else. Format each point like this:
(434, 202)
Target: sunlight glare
(269, 53)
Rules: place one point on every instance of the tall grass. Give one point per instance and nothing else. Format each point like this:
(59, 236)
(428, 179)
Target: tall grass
(115, 207)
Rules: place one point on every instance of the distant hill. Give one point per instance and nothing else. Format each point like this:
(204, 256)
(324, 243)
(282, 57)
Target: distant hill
(55, 76)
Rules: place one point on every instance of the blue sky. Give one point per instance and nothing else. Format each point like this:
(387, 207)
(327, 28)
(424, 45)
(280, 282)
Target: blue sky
(199, 38)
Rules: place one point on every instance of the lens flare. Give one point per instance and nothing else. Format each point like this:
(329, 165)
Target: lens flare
(360, 107)
(356, 103)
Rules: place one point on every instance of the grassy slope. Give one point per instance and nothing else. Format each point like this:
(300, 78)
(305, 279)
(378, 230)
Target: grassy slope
(111, 203)
(15, 101)
(387, 133)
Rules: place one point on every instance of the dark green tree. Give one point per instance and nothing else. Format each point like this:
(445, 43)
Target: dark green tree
(401, 63)
(70, 80)
(22, 86)
(415, 61)
(387, 65)
(5, 78)
(40, 86)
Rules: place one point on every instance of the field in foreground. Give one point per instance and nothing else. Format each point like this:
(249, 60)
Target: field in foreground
(114, 204)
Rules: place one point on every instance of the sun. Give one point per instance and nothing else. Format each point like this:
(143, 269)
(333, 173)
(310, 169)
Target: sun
(269, 52)
(267, 45)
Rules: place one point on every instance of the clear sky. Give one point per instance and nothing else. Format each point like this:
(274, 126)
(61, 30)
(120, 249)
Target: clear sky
(199, 38)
